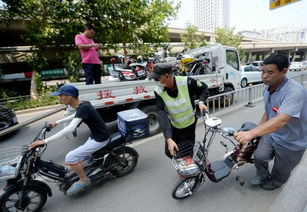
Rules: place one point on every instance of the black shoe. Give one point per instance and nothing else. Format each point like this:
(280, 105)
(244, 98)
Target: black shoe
(269, 185)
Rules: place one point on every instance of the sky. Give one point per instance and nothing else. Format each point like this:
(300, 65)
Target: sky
(251, 14)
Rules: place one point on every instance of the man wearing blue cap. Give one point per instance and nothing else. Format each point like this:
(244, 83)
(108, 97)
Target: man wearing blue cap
(86, 113)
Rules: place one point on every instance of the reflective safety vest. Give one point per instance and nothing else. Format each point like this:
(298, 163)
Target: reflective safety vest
(180, 110)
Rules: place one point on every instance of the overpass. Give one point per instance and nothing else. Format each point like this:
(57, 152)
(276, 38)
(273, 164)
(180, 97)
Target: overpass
(174, 36)
(255, 48)
(261, 49)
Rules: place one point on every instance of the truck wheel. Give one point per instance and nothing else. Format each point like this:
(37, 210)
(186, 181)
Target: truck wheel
(154, 127)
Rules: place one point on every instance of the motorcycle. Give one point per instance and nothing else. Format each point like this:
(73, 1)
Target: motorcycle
(24, 192)
(132, 70)
(192, 164)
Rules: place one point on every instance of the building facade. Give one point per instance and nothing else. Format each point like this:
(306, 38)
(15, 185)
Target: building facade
(289, 34)
(211, 14)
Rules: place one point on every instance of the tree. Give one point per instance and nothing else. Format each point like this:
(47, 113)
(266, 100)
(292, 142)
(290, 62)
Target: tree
(72, 64)
(227, 37)
(49, 24)
(38, 62)
(135, 24)
(53, 23)
(191, 39)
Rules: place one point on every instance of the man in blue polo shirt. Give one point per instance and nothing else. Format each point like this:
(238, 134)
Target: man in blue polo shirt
(283, 126)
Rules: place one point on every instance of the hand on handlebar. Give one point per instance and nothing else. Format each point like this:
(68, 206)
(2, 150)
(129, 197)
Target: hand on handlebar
(37, 143)
(202, 107)
(243, 137)
(52, 124)
(172, 146)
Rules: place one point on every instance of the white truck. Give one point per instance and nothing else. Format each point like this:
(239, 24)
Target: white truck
(114, 96)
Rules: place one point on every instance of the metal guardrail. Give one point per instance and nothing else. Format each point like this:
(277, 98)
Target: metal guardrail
(244, 96)
(15, 99)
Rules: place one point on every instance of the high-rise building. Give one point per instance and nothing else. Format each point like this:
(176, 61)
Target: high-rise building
(211, 14)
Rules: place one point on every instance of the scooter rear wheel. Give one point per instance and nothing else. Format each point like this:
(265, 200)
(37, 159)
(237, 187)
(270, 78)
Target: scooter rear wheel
(35, 199)
(185, 187)
(126, 161)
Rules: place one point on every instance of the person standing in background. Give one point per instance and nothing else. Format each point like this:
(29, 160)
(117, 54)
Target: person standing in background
(90, 58)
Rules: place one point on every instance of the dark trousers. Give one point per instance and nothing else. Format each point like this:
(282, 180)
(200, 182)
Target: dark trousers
(181, 135)
(92, 73)
(285, 160)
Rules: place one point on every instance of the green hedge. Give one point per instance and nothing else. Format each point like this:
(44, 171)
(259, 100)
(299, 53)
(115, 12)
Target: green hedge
(44, 100)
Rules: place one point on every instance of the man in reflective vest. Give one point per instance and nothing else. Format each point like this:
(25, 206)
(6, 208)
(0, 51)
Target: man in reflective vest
(175, 96)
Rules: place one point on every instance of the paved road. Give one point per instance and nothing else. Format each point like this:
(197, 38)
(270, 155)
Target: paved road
(149, 187)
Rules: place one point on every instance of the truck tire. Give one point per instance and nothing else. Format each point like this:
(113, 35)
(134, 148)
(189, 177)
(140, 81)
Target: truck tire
(154, 127)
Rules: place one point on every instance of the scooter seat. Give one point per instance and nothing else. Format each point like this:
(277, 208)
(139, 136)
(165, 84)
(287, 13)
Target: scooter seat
(138, 64)
(115, 140)
(123, 69)
(115, 136)
(246, 126)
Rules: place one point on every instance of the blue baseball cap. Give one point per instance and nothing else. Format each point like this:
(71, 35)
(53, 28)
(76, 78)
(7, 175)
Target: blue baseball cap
(68, 90)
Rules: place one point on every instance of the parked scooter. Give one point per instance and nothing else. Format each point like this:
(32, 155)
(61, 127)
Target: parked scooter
(191, 162)
(25, 193)
(131, 70)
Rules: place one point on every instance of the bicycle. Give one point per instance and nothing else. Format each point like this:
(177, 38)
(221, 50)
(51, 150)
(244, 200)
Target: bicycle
(191, 162)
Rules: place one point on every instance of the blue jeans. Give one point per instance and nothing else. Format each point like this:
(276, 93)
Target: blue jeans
(92, 73)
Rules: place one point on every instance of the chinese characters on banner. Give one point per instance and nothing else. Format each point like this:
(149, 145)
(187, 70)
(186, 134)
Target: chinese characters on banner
(105, 94)
(139, 89)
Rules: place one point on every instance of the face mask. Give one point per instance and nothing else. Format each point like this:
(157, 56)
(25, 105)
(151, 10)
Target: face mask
(160, 85)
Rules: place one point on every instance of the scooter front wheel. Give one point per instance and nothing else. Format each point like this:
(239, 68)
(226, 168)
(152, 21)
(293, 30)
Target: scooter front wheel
(185, 187)
(34, 199)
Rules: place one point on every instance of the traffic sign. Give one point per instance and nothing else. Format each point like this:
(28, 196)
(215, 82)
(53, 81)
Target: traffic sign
(278, 3)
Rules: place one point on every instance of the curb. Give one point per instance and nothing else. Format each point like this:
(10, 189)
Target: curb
(37, 109)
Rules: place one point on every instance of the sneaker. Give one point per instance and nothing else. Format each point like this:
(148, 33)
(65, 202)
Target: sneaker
(257, 180)
(269, 185)
(77, 187)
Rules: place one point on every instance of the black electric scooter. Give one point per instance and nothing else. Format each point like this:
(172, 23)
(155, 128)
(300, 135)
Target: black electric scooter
(25, 193)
